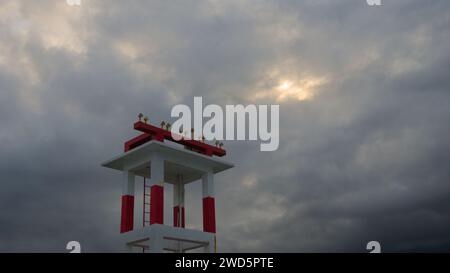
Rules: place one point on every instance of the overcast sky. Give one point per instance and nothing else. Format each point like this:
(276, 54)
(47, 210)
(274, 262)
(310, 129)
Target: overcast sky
(364, 95)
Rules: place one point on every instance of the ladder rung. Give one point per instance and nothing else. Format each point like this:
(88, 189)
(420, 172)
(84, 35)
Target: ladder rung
(147, 194)
(146, 203)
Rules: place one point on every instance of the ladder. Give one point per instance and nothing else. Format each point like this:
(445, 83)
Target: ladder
(146, 204)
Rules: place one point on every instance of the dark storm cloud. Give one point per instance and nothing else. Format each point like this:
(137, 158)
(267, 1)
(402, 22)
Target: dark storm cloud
(364, 159)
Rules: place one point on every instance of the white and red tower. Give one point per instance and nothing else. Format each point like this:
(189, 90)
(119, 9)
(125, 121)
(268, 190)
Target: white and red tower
(173, 162)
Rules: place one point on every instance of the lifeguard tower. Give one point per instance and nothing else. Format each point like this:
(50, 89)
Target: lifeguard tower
(177, 162)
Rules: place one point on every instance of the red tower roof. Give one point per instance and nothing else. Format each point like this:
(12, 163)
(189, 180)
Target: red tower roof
(151, 132)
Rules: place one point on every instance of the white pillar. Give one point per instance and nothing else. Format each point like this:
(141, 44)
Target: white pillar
(128, 183)
(208, 184)
(156, 171)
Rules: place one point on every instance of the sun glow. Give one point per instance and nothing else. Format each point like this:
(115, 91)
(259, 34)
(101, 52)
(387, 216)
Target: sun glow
(301, 90)
(285, 85)
(288, 89)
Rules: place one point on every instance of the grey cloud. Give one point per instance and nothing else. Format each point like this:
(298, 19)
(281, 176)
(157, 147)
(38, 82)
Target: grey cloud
(365, 159)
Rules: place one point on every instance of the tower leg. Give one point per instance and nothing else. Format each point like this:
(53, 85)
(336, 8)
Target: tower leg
(157, 191)
(127, 213)
(209, 210)
(182, 217)
(176, 205)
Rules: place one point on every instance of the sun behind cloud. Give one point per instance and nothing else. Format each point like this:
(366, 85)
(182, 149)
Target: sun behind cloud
(301, 90)
(285, 89)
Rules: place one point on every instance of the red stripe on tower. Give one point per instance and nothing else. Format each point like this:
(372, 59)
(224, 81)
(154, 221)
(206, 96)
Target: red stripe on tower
(209, 215)
(176, 211)
(127, 217)
(157, 205)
